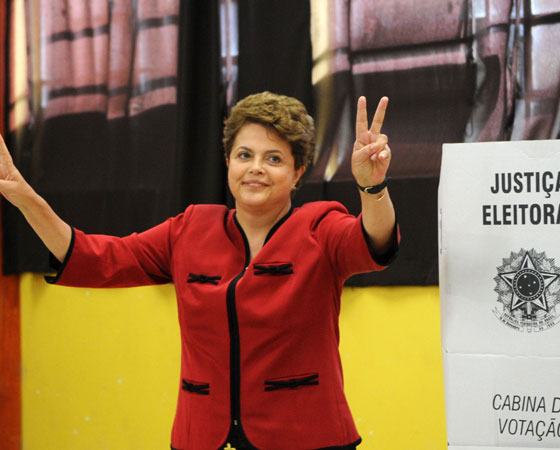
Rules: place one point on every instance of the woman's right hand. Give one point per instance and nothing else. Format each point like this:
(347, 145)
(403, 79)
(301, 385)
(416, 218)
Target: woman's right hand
(12, 184)
(51, 229)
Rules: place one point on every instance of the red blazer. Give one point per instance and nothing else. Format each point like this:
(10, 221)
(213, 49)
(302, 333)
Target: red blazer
(260, 338)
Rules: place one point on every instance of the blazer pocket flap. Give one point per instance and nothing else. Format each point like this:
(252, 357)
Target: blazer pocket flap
(293, 382)
(273, 269)
(203, 279)
(195, 387)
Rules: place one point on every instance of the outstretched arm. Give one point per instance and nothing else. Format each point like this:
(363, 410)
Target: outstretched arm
(370, 161)
(51, 229)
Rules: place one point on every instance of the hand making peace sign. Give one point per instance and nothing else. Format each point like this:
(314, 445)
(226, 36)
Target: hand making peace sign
(371, 155)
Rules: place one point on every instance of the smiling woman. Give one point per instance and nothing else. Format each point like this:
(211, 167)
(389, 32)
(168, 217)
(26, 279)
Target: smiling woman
(260, 366)
(262, 162)
(261, 174)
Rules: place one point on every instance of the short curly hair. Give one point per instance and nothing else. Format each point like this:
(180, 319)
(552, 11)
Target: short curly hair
(284, 115)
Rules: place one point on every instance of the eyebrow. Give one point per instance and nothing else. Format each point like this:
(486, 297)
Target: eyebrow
(270, 150)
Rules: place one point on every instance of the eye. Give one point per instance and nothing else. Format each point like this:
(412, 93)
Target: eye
(275, 159)
(243, 154)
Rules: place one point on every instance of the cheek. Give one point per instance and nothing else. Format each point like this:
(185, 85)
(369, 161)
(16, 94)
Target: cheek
(233, 172)
(288, 179)
(231, 178)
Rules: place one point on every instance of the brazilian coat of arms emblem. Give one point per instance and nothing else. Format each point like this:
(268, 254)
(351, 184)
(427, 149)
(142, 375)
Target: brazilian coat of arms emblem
(528, 288)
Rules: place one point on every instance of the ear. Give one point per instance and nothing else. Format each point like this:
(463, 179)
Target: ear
(227, 162)
(299, 173)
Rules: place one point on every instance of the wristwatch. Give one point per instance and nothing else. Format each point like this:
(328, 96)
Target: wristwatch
(374, 189)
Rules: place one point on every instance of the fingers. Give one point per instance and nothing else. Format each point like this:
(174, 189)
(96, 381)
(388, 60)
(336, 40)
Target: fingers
(362, 135)
(2, 144)
(379, 147)
(379, 116)
(374, 151)
(4, 153)
(383, 155)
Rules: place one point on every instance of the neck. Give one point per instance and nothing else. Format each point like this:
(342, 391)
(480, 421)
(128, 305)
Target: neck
(258, 222)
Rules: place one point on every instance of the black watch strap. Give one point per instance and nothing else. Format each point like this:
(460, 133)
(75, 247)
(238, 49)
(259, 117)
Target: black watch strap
(374, 189)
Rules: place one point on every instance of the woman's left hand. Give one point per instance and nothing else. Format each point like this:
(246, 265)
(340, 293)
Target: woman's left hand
(371, 155)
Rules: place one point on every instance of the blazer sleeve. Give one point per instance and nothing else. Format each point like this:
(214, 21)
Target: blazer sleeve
(344, 241)
(101, 261)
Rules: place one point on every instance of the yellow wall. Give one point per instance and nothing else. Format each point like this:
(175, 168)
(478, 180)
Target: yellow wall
(101, 367)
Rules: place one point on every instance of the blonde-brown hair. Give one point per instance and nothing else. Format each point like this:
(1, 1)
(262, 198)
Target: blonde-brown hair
(286, 116)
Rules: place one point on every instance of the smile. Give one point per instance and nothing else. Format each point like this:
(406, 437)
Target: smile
(254, 184)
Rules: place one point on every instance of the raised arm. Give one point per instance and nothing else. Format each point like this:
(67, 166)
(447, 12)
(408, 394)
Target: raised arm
(51, 229)
(370, 160)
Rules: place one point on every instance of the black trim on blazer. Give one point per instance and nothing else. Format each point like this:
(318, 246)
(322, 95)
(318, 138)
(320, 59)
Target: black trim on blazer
(351, 446)
(340, 447)
(203, 279)
(236, 433)
(391, 254)
(291, 383)
(236, 428)
(273, 269)
(195, 388)
(56, 265)
(278, 224)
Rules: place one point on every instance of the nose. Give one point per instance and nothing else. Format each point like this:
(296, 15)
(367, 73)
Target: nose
(256, 166)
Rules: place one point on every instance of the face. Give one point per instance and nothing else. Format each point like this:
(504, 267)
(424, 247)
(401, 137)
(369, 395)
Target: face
(261, 172)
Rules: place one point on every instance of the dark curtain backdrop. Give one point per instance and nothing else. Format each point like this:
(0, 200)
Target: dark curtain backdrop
(124, 115)
(201, 102)
(454, 71)
(275, 49)
(122, 143)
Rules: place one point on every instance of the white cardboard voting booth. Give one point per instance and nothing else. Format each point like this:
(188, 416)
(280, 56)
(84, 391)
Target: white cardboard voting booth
(499, 273)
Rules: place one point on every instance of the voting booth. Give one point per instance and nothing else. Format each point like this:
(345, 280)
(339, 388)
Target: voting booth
(499, 273)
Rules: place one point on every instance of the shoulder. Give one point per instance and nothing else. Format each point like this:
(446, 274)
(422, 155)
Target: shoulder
(313, 208)
(206, 212)
(320, 215)
(201, 216)
(317, 211)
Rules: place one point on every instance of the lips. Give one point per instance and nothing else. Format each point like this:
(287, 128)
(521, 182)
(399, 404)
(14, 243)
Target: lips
(254, 184)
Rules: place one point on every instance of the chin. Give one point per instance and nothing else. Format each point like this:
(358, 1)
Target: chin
(251, 198)
(253, 203)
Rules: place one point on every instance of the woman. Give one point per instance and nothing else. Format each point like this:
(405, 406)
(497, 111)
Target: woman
(258, 287)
